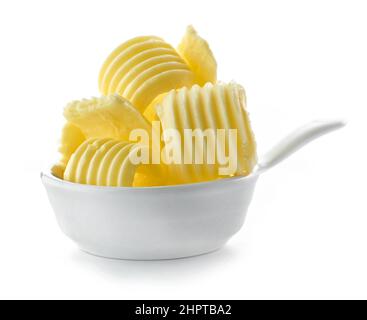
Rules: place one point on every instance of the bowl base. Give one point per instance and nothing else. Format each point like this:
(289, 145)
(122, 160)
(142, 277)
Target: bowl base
(152, 258)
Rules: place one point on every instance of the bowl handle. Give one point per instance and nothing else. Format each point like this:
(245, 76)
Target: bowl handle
(295, 141)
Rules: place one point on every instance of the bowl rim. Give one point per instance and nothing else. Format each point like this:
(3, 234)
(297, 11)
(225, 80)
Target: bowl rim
(52, 179)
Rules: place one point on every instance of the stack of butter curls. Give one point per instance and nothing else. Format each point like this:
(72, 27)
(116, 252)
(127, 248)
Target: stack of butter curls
(148, 85)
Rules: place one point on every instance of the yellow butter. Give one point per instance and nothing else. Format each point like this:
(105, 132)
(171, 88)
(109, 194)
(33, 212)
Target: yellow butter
(105, 117)
(58, 170)
(220, 106)
(197, 53)
(142, 68)
(143, 80)
(71, 138)
(101, 162)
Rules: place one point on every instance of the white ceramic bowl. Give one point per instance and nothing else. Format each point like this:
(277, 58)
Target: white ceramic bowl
(150, 223)
(163, 222)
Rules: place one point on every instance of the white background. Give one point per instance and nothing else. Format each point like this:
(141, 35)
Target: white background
(306, 231)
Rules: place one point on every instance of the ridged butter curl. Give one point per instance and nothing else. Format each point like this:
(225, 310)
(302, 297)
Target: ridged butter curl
(142, 68)
(219, 106)
(102, 162)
